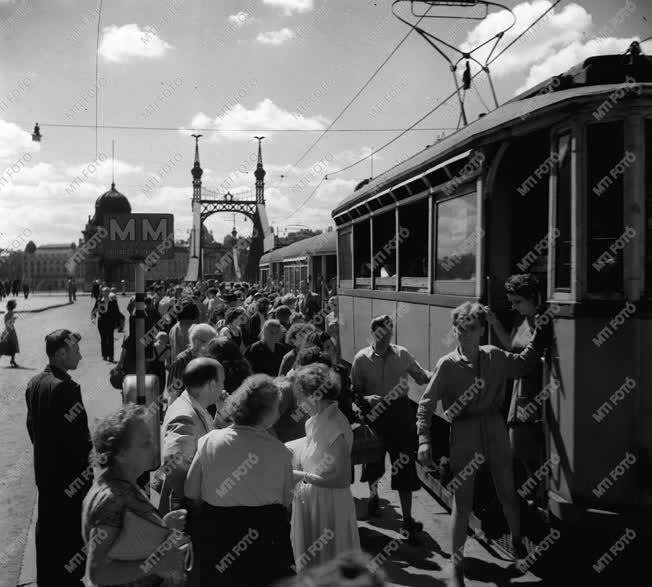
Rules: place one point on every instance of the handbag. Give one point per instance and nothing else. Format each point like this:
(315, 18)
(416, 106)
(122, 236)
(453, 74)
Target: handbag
(140, 538)
(116, 376)
(367, 445)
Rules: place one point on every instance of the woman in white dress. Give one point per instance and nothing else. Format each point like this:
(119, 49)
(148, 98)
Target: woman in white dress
(323, 512)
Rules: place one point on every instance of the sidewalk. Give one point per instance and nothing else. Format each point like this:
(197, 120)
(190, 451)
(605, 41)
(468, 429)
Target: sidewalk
(37, 303)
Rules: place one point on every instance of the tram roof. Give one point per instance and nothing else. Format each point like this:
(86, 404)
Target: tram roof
(473, 135)
(321, 244)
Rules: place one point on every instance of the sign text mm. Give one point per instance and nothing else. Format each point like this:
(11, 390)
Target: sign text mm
(135, 236)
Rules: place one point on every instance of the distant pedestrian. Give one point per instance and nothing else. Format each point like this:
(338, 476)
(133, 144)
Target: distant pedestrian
(95, 290)
(72, 290)
(58, 428)
(8, 338)
(107, 320)
(25, 290)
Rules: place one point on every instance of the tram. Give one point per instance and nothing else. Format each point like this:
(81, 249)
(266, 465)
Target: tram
(312, 259)
(556, 182)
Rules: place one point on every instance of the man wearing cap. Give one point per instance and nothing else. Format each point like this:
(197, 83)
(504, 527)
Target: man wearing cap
(58, 428)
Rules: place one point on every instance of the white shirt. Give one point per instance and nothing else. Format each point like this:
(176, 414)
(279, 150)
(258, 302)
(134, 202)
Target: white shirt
(241, 466)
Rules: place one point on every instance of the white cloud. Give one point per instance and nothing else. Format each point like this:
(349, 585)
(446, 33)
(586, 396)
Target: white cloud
(290, 6)
(573, 54)
(556, 30)
(129, 42)
(240, 18)
(264, 116)
(15, 143)
(276, 37)
(104, 170)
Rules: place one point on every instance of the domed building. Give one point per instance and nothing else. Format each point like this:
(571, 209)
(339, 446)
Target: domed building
(113, 272)
(96, 267)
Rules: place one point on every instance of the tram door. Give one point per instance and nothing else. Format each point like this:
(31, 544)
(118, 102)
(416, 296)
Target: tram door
(517, 220)
(516, 242)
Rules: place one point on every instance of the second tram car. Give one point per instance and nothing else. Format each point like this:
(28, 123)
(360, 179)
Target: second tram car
(556, 182)
(312, 259)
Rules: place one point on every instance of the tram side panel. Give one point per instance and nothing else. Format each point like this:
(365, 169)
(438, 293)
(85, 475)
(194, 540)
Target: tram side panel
(560, 418)
(605, 440)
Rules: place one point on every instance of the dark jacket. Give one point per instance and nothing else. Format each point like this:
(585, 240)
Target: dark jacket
(110, 317)
(263, 360)
(58, 428)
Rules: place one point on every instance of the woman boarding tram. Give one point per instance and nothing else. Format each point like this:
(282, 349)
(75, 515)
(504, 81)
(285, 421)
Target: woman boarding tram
(470, 384)
(525, 418)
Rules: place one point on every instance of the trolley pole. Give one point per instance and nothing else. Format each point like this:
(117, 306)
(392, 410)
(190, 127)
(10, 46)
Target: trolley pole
(140, 332)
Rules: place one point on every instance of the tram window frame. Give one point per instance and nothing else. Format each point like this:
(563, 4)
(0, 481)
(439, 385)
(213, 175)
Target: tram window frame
(411, 282)
(647, 219)
(593, 289)
(362, 242)
(382, 223)
(562, 292)
(345, 235)
(460, 287)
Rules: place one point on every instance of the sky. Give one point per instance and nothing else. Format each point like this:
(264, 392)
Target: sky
(283, 69)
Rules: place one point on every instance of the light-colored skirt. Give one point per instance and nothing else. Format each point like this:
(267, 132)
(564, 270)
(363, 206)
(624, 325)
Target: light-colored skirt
(324, 524)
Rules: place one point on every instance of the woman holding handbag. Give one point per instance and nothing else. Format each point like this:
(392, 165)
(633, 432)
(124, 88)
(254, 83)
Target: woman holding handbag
(127, 542)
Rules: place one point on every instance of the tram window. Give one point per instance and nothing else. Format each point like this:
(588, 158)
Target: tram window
(563, 217)
(648, 205)
(605, 143)
(457, 240)
(384, 253)
(344, 265)
(413, 245)
(362, 253)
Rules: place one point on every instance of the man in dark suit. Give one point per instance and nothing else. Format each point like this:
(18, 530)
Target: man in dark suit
(108, 319)
(58, 428)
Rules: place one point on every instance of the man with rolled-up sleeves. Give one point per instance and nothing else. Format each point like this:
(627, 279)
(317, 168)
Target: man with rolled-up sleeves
(379, 377)
(58, 428)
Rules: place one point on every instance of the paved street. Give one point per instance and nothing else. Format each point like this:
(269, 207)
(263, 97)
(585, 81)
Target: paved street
(17, 490)
(409, 566)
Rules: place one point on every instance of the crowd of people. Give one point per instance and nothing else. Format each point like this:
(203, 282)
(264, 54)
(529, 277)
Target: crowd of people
(256, 440)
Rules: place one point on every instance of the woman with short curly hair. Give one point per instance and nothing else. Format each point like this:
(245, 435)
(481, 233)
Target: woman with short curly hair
(323, 503)
(242, 477)
(123, 451)
(295, 338)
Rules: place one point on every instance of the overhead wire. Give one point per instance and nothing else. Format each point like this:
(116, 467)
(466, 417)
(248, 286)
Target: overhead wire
(409, 128)
(97, 55)
(187, 129)
(364, 86)
(451, 95)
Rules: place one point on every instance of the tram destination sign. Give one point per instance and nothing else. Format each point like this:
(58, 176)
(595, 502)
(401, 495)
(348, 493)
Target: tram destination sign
(136, 236)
